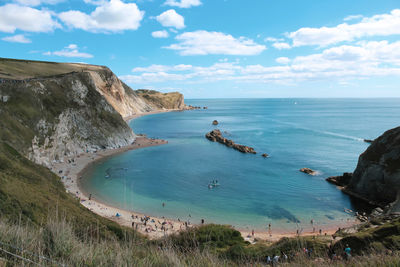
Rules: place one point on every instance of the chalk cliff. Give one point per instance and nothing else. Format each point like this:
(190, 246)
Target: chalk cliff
(50, 110)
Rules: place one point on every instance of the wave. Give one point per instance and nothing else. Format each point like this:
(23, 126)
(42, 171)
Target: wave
(344, 136)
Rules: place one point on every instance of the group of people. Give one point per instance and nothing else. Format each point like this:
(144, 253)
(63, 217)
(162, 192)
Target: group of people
(275, 259)
(346, 253)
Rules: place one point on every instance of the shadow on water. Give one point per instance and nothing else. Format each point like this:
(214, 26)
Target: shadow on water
(360, 205)
(330, 217)
(277, 213)
(115, 172)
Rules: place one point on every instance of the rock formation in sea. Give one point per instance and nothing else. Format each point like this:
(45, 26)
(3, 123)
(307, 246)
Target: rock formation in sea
(265, 155)
(308, 171)
(51, 110)
(376, 178)
(216, 136)
(341, 180)
(215, 122)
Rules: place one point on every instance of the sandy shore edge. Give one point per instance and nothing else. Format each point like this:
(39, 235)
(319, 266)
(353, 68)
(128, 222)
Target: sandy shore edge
(153, 227)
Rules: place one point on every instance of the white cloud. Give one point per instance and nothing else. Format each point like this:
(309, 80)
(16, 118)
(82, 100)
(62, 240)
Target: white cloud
(19, 38)
(170, 18)
(38, 2)
(281, 46)
(183, 3)
(378, 25)
(15, 17)
(216, 43)
(273, 39)
(160, 34)
(95, 2)
(353, 17)
(163, 68)
(342, 64)
(113, 16)
(69, 51)
(282, 60)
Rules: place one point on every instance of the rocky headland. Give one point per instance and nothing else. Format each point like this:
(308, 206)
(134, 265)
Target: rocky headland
(216, 136)
(54, 110)
(376, 178)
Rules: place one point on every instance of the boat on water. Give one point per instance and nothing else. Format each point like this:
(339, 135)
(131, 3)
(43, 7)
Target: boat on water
(212, 184)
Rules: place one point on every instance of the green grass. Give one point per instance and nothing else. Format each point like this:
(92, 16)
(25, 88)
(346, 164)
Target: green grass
(29, 193)
(22, 69)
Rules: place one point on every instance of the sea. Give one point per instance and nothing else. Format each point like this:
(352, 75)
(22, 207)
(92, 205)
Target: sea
(326, 135)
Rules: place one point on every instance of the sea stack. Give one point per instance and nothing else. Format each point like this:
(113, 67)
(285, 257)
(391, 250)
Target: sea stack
(308, 171)
(216, 136)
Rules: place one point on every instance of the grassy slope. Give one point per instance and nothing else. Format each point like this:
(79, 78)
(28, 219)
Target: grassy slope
(32, 193)
(22, 69)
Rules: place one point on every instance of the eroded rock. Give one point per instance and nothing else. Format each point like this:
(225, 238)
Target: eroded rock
(216, 136)
(308, 171)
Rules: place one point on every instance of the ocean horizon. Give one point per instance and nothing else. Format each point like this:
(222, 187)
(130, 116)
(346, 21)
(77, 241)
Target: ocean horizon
(326, 135)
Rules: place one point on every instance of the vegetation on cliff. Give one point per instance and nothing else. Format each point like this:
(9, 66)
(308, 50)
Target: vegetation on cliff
(159, 100)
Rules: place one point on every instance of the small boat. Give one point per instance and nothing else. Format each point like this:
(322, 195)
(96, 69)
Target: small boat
(212, 184)
(107, 176)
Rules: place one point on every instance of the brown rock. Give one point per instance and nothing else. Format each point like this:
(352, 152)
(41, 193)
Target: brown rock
(265, 155)
(308, 171)
(216, 136)
(215, 122)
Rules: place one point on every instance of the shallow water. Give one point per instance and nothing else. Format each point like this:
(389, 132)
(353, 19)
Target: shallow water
(323, 134)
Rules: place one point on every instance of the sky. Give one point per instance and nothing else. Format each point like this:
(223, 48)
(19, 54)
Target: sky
(218, 48)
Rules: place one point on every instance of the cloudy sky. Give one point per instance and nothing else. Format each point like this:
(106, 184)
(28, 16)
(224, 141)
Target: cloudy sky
(218, 48)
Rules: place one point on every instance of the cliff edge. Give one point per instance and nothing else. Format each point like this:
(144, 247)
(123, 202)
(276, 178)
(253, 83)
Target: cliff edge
(376, 178)
(54, 110)
(377, 175)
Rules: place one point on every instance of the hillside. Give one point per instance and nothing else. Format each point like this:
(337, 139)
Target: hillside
(124, 100)
(49, 118)
(51, 110)
(33, 194)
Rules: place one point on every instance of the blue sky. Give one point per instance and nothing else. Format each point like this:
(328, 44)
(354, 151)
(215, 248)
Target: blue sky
(218, 48)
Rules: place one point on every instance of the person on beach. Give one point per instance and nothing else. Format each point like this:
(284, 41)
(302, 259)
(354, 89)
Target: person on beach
(347, 252)
(252, 233)
(202, 221)
(268, 260)
(163, 204)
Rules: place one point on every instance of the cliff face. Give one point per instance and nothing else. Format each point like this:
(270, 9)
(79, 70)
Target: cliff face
(49, 118)
(124, 100)
(157, 100)
(50, 110)
(377, 176)
(119, 95)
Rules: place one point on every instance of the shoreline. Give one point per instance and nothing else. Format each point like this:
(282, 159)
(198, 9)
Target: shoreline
(152, 226)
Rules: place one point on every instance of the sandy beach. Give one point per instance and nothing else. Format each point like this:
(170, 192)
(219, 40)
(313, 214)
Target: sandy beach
(71, 169)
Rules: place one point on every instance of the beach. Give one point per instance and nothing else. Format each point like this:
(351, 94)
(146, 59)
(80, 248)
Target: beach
(153, 227)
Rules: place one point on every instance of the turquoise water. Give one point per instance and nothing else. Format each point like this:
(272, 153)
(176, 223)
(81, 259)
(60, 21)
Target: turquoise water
(322, 134)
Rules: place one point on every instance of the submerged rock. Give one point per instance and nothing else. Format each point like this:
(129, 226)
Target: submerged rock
(265, 155)
(368, 141)
(308, 171)
(216, 136)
